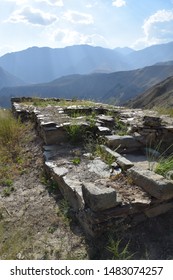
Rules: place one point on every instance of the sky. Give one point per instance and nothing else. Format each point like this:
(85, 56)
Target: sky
(107, 23)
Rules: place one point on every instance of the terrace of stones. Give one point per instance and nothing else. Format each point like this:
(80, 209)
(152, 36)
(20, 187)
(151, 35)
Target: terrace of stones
(99, 157)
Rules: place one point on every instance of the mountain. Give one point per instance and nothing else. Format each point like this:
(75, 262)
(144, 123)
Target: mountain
(151, 55)
(113, 88)
(158, 95)
(8, 80)
(124, 50)
(40, 65)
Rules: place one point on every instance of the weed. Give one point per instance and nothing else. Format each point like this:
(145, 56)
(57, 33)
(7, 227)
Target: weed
(7, 182)
(118, 253)
(52, 229)
(164, 165)
(52, 186)
(75, 133)
(159, 162)
(7, 191)
(63, 211)
(76, 161)
(106, 157)
(120, 127)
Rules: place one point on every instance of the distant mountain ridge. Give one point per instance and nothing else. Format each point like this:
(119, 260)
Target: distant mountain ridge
(40, 65)
(113, 88)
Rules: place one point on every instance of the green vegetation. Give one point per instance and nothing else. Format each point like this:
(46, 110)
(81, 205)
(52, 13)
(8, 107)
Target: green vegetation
(75, 133)
(164, 110)
(39, 102)
(76, 161)
(13, 138)
(119, 252)
(120, 127)
(164, 165)
(63, 211)
(106, 157)
(7, 191)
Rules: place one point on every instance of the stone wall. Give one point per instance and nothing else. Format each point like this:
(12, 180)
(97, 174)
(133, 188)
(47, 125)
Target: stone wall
(102, 194)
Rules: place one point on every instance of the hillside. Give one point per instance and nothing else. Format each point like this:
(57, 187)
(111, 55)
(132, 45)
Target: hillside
(158, 95)
(41, 65)
(8, 80)
(114, 88)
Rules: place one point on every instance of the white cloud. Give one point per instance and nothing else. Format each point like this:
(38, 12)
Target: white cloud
(58, 3)
(78, 18)
(72, 37)
(33, 16)
(119, 3)
(161, 16)
(157, 29)
(91, 5)
(50, 2)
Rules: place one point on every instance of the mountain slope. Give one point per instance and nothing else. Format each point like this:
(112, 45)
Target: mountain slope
(158, 95)
(114, 88)
(8, 80)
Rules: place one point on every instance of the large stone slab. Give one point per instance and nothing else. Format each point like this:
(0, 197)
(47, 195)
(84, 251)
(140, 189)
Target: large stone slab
(156, 185)
(98, 197)
(126, 142)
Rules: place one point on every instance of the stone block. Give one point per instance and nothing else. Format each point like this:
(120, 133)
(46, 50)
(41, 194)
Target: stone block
(120, 160)
(125, 142)
(54, 135)
(124, 163)
(151, 121)
(158, 210)
(98, 197)
(154, 184)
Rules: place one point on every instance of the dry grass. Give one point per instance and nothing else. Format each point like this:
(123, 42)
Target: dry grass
(12, 140)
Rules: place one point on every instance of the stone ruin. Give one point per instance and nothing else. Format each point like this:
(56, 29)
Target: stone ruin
(102, 194)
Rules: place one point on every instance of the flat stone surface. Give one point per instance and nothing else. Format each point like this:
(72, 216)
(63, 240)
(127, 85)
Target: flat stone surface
(122, 142)
(156, 185)
(109, 151)
(124, 163)
(98, 197)
(99, 167)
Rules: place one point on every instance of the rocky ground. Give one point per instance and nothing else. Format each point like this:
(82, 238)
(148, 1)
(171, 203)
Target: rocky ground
(34, 220)
(37, 223)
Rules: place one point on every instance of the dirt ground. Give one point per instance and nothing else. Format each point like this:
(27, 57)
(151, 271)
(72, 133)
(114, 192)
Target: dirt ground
(36, 223)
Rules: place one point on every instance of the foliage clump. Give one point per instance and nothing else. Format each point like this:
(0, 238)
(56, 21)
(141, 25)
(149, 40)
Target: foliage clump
(13, 138)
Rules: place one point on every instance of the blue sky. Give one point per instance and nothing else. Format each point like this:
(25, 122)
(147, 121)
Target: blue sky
(107, 23)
